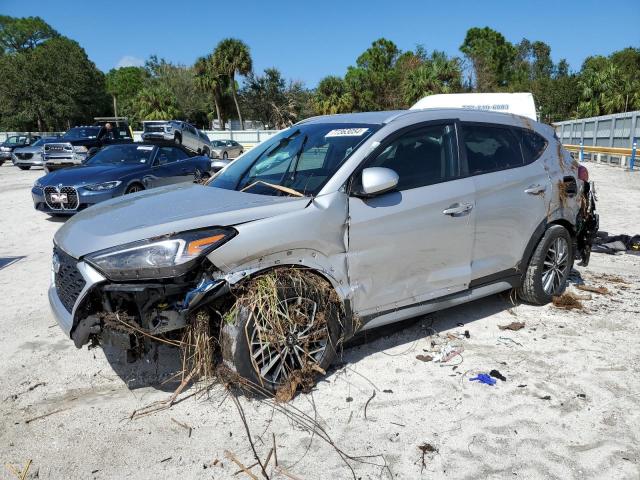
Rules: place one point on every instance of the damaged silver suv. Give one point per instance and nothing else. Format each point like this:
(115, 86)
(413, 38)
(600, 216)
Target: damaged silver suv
(336, 225)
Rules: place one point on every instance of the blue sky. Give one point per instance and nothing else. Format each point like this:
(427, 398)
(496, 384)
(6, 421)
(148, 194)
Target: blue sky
(308, 39)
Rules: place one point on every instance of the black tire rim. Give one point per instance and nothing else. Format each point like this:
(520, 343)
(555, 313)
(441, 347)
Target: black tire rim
(276, 352)
(555, 266)
(134, 189)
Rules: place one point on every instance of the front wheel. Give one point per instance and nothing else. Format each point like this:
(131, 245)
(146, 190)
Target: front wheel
(136, 187)
(549, 267)
(225, 156)
(282, 331)
(178, 140)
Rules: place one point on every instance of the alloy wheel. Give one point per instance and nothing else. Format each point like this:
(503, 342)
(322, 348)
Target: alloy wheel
(555, 266)
(294, 342)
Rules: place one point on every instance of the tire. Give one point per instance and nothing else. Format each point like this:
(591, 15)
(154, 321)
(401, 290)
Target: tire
(301, 290)
(133, 188)
(225, 155)
(549, 267)
(206, 153)
(24, 167)
(177, 139)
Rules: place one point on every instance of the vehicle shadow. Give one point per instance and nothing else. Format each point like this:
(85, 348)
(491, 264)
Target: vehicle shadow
(161, 368)
(57, 218)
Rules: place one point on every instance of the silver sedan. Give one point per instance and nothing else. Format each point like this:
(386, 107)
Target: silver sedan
(225, 149)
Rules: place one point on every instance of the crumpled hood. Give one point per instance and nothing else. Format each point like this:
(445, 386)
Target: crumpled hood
(88, 174)
(165, 210)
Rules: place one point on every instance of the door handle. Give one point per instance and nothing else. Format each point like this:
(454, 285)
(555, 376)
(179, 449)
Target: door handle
(535, 189)
(458, 209)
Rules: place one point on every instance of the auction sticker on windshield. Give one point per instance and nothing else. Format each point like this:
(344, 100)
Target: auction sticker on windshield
(347, 132)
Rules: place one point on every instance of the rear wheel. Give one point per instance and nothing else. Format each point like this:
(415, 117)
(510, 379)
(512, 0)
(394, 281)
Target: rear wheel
(133, 188)
(205, 152)
(177, 139)
(24, 167)
(225, 155)
(549, 267)
(283, 331)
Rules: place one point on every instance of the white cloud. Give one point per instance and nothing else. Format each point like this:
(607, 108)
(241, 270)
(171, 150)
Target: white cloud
(130, 61)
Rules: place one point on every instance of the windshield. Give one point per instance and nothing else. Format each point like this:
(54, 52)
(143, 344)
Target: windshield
(78, 133)
(15, 140)
(123, 155)
(300, 159)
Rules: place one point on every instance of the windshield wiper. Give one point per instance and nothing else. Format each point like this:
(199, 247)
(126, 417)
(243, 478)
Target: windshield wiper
(290, 191)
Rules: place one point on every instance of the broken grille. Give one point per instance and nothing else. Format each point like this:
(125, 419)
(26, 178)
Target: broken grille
(68, 279)
(52, 197)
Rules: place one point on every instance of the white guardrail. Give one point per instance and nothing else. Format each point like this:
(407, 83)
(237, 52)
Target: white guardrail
(248, 138)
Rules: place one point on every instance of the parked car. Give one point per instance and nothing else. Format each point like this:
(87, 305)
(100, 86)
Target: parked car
(225, 149)
(179, 132)
(337, 225)
(114, 171)
(31, 156)
(15, 141)
(78, 143)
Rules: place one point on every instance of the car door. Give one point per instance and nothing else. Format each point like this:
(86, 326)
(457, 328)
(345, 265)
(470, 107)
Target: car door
(167, 167)
(236, 148)
(413, 244)
(193, 143)
(187, 165)
(510, 197)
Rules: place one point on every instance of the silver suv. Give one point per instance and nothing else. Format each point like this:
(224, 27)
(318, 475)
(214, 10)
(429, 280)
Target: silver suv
(179, 132)
(336, 225)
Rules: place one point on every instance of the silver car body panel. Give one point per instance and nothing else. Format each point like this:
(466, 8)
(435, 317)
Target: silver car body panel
(392, 256)
(190, 136)
(65, 319)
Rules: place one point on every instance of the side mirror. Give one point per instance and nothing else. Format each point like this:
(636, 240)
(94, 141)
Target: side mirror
(377, 180)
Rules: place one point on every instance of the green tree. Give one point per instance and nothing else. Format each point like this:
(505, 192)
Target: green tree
(211, 82)
(434, 74)
(491, 56)
(20, 34)
(123, 84)
(232, 57)
(156, 102)
(51, 86)
(331, 96)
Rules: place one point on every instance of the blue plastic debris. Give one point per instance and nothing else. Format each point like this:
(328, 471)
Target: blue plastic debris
(484, 378)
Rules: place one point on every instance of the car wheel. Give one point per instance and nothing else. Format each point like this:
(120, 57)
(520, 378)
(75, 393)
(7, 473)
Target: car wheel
(24, 167)
(549, 267)
(225, 156)
(205, 152)
(177, 139)
(282, 331)
(133, 188)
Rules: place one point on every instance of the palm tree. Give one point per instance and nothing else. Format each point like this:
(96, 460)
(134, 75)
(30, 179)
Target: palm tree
(232, 57)
(208, 79)
(155, 103)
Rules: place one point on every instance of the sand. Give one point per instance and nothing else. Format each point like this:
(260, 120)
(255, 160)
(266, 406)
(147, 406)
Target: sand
(570, 407)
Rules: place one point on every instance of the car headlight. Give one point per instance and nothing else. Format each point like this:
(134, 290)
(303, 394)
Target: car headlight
(168, 128)
(161, 257)
(98, 187)
(80, 149)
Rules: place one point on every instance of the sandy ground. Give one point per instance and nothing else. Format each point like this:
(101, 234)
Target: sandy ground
(570, 407)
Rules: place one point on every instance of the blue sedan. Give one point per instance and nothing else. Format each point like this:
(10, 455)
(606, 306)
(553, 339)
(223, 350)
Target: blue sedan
(114, 171)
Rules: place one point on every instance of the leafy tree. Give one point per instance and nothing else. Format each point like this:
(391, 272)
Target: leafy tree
(210, 81)
(20, 34)
(51, 86)
(232, 57)
(491, 56)
(434, 74)
(331, 96)
(269, 99)
(156, 102)
(123, 84)
(373, 81)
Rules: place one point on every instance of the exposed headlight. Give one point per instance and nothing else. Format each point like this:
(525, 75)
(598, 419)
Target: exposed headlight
(161, 257)
(96, 187)
(80, 149)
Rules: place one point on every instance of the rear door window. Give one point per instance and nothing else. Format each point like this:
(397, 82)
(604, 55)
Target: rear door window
(421, 157)
(491, 148)
(533, 144)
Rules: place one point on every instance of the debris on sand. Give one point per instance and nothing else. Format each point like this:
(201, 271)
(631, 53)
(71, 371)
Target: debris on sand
(613, 278)
(483, 378)
(599, 290)
(514, 326)
(498, 375)
(426, 448)
(424, 358)
(567, 301)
